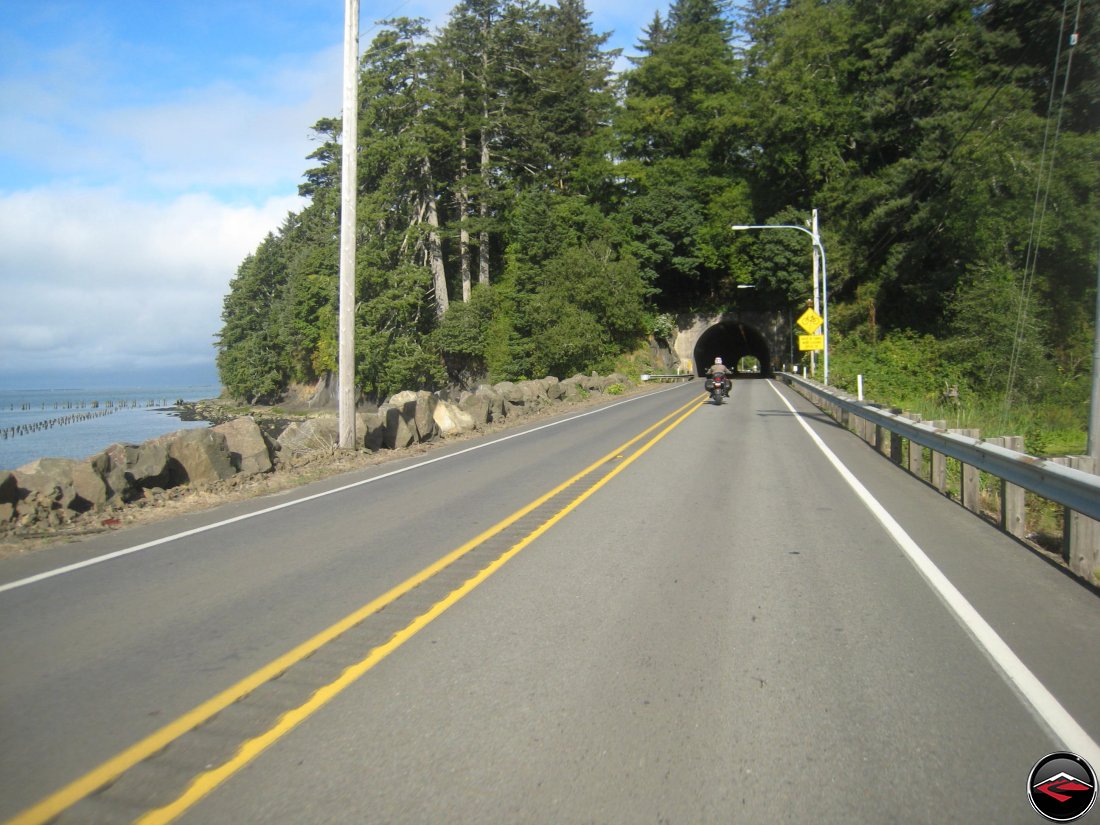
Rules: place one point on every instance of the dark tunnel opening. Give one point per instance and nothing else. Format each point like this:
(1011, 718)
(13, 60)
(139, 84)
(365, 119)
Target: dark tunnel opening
(731, 341)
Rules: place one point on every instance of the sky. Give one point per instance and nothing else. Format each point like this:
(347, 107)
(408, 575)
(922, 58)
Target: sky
(145, 149)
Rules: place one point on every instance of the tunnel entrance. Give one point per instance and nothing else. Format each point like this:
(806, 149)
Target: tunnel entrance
(732, 341)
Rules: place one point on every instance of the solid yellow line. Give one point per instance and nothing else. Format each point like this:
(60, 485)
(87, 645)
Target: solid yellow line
(89, 783)
(206, 782)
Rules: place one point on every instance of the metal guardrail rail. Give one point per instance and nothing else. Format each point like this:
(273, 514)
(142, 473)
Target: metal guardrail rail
(680, 375)
(1075, 489)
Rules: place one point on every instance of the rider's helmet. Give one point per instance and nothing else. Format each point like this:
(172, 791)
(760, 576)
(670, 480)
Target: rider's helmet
(718, 360)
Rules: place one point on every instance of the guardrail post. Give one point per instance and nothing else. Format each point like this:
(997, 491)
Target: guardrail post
(895, 442)
(1013, 500)
(882, 439)
(1081, 534)
(939, 464)
(916, 454)
(970, 488)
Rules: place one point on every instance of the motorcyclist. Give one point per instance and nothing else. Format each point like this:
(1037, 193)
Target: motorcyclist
(720, 372)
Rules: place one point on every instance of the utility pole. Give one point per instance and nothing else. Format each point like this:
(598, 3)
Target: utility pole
(348, 196)
(1094, 403)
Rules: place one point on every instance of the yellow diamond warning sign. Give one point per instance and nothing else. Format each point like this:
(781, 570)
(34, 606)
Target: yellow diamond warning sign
(810, 343)
(810, 320)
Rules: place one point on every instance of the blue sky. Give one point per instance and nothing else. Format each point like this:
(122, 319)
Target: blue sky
(145, 149)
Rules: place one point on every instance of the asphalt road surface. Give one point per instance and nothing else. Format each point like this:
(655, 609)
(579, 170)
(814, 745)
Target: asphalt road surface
(658, 611)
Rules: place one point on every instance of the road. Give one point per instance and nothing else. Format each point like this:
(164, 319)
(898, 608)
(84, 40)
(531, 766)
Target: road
(655, 611)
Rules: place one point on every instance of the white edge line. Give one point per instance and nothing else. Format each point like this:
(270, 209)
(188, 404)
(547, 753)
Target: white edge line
(1042, 701)
(49, 574)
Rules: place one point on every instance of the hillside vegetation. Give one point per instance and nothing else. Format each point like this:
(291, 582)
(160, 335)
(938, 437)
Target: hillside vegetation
(523, 210)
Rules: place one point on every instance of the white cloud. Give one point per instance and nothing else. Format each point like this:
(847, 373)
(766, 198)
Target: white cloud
(252, 132)
(122, 221)
(225, 137)
(94, 280)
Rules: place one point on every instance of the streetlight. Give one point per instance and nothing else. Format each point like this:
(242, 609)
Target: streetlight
(824, 273)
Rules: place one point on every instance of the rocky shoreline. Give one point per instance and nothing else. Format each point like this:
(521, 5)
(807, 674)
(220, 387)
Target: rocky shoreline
(257, 451)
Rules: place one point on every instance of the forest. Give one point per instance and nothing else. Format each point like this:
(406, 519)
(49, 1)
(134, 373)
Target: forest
(525, 209)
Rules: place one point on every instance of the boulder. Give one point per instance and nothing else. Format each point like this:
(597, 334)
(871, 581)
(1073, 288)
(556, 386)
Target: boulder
(198, 456)
(404, 401)
(319, 433)
(592, 383)
(89, 486)
(572, 389)
(50, 479)
(554, 389)
(426, 427)
(248, 449)
(370, 430)
(116, 466)
(529, 390)
(149, 465)
(64, 482)
(510, 392)
(400, 427)
(451, 419)
(497, 406)
(477, 407)
(601, 383)
(538, 388)
(419, 408)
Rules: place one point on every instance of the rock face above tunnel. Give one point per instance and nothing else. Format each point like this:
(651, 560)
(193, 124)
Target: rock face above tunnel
(733, 335)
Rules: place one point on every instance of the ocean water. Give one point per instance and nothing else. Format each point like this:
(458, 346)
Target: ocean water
(78, 423)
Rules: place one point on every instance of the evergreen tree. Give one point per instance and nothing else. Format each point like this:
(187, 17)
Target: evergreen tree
(803, 120)
(251, 355)
(681, 128)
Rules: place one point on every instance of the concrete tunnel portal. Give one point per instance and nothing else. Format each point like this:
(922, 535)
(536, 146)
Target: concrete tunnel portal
(732, 341)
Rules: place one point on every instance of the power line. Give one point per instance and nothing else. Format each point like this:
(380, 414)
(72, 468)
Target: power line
(1042, 197)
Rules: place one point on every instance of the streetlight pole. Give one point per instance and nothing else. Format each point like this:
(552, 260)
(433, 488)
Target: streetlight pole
(817, 304)
(819, 249)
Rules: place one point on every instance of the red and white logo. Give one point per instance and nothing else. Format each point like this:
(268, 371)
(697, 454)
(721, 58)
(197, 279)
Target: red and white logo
(1062, 787)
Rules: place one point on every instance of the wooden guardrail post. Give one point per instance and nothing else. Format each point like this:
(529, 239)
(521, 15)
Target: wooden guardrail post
(883, 438)
(970, 488)
(916, 453)
(1081, 534)
(896, 442)
(938, 476)
(1013, 500)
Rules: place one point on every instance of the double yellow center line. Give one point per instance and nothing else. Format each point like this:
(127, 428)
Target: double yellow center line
(207, 781)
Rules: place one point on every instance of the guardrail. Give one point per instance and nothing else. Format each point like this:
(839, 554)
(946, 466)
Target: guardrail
(1073, 487)
(678, 376)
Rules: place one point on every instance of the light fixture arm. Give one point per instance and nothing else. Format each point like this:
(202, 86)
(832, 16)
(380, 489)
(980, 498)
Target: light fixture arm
(816, 239)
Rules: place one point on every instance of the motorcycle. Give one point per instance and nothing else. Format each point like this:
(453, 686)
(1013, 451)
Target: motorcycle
(718, 388)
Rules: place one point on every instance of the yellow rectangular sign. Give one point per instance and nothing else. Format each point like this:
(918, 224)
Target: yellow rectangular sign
(810, 320)
(810, 343)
